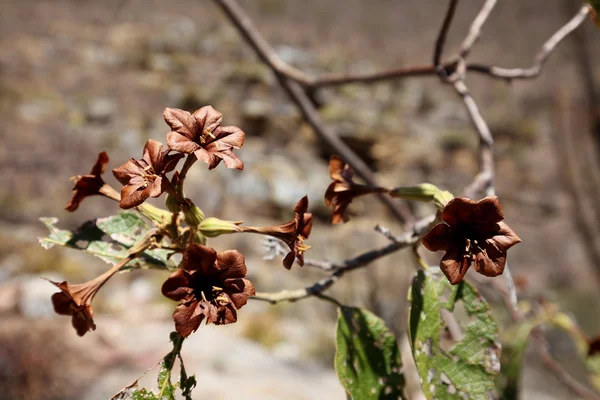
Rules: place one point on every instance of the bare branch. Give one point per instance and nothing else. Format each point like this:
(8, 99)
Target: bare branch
(540, 58)
(441, 39)
(485, 136)
(475, 29)
(365, 78)
(266, 53)
(297, 94)
(341, 268)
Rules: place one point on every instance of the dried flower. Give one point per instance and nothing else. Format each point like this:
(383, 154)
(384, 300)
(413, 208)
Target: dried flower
(343, 189)
(593, 346)
(91, 184)
(208, 286)
(200, 133)
(76, 300)
(293, 233)
(471, 231)
(146, 177)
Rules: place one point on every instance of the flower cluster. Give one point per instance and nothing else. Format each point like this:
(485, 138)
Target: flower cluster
(208, 285)
(470, 231)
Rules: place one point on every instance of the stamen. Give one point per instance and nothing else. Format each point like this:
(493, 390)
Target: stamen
(301, 247)
(468, 247)
(203, 296)
(208, 132)
(222, 300)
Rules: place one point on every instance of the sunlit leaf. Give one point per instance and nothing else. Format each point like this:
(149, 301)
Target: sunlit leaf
(107, 238)
(457, 356)
(367, 358)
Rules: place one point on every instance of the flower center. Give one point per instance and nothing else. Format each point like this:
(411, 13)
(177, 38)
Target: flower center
(149, 175)
(472, 247)
(210, 293)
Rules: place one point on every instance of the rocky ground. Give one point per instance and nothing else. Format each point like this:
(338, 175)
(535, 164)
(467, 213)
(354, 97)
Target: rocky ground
(78, 77)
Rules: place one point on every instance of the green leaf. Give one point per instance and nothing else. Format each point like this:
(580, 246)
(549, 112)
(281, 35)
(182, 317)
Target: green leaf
(109, 239)
(452, 368)
(167, 390)
(367, 358)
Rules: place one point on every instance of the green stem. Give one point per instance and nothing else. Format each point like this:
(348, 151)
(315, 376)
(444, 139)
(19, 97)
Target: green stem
(329, 299)
(170, 361)
(418, 257)
(189, 161)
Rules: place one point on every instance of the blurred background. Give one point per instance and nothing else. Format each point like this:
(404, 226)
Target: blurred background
(79, 77)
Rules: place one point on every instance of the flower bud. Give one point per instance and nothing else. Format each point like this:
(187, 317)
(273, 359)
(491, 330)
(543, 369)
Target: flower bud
(155, 214)
(213, 227)
(424, 192)
(193, 216)
(172, 204)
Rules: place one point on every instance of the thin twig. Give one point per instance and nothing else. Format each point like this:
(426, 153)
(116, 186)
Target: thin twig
(441, 39)
(341, 268)
(475, 29)
(364, 78)
(298, 95)
(541, 57)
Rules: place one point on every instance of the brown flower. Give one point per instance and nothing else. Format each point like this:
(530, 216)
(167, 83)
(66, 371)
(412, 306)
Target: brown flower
(76, 300)
(343, 189)
(293, 233)
(208, 286)
(88, 185)
(594, 346)
(200, 133)
(471, 231)
(146, 177)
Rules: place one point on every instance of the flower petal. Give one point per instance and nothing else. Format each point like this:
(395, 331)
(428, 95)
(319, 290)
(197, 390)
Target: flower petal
(458, 210)
(85, 186)
(307, 221)
(186, 318)
(490, 264)
(133, 196)
(228, 137)
(170, 162)
(455, 265)
(62, 303)
(490, 210)
(504, 239)
(438, 238)
(178, 142)
(153, 154)
(200, 258)
(288, 261)
(207, 118)
(83, 322)
(465, 211)
(98, 168)
(204, 156)
(232, 264)
(238, 291)
(229, 159)
(302, 206)
(177, 286)
(157, 187)
(336, 166)
(226, 315)
(125, 172)
(181, 122)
